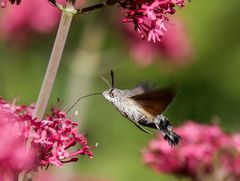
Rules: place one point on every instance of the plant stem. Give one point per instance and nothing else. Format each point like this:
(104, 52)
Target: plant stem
(88, 9)
(54, 61)
(91, 8)
(52, 68)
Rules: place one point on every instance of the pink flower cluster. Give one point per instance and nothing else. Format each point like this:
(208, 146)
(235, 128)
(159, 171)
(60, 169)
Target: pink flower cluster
(49, 139)
(13, 131)
(55, 135)
(149, 16)
(32, 16)
(175, 46)
(205, 150)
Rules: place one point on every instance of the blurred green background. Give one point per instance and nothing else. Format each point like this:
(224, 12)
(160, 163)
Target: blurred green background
(209, 88)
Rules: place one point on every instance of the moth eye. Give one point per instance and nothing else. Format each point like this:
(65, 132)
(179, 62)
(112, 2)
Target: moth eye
(111, 93)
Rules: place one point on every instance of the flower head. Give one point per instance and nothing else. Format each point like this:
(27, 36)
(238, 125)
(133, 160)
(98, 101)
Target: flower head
(14, 158)
(175, 45)
(50, 139)
(55, 135)
(149, 17)
(204, 151)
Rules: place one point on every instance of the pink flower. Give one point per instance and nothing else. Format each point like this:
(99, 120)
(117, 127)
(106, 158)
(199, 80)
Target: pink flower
(13, 158)
(55, 135)
(32, 16)
(50, 139)
(168, 165)
(196, 155)
(236, 141)
(149, 17)
(175, 45)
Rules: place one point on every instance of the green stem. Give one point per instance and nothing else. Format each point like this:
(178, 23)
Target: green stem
(88, 9)
(51, 72)
(54, 61)
(91, 8)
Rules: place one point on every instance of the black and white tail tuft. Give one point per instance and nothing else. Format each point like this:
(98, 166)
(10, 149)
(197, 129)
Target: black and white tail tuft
(166, 129)
(172, 138)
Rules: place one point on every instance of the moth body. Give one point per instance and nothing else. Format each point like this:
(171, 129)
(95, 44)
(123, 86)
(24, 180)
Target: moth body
(124, 101)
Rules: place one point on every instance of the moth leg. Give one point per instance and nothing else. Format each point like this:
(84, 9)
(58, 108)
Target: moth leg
(157, 125)
(141, 128)
(144, 122)
(163, 125)
(139, 125)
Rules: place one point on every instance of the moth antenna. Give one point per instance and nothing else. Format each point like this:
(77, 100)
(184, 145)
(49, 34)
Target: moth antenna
(98, 93)
(112, 77)
(106, 81)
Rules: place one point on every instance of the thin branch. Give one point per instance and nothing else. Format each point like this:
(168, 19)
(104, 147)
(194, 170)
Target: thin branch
(54, 62)
(91, 8)
(88, 9)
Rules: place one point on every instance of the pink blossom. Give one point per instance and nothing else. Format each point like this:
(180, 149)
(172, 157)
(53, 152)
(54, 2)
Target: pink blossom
(175, 45)
(236, 141)
(196, 155)
(149, 17)
(14, 157)
(55, 135)
(50, 139)
(32, 16)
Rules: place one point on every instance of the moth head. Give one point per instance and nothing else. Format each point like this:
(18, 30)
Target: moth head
(111, 94)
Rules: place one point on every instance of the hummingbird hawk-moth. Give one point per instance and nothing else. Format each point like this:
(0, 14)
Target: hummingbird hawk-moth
(144, 106)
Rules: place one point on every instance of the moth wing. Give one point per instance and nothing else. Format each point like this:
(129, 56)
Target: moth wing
(155, 102)
(141, 88)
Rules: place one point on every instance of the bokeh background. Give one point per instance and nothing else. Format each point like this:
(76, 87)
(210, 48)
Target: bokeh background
(207, 77)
